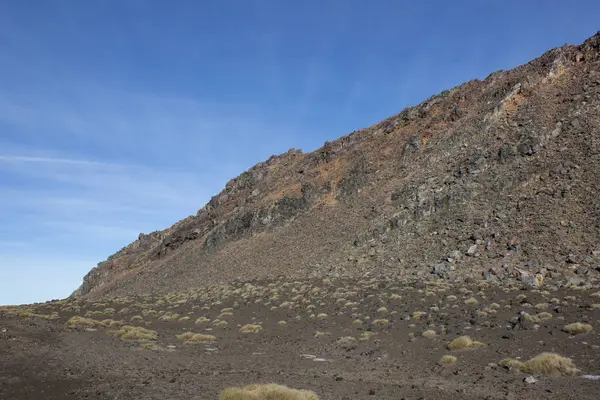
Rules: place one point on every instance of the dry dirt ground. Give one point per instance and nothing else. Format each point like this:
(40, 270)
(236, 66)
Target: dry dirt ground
(343, 339)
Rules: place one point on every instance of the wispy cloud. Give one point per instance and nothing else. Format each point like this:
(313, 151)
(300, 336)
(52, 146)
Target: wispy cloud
(46, 160)
(84, 170)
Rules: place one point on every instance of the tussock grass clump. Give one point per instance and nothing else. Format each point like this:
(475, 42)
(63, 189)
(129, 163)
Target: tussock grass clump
(282, 323)
(220, 324)
(447, 360)
(112, 323)
(135, 333)
(544, 363)
(136, 318)
(429, 334)
(347, 342)
(544, 316)
(365, 336)
(471, 301)
(202, 320)
(78, 321)
(168, 316)
(382, 310)
(322, 316)
(418, 314)
(395, 296)
(464, 342)
(266, 392)
(578, 327)
(511, 363)
(250, 328)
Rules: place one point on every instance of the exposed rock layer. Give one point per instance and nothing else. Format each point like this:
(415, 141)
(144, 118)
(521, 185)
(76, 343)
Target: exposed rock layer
(482, 178)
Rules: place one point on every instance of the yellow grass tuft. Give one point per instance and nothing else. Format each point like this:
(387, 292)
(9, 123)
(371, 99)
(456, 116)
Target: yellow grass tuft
(511, 363)
(464, 342)
(135, 333)
(250, 328)
(471, 301)
(578, 327)
(266, 392)
(543, 316)
(447, 359)
(365, 336)
(418, 314)
(78, 321)
(545, 363)
(429, 334)
(347, 342)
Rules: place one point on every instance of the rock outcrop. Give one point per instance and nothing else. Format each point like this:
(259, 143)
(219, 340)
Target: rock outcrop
(486, 177)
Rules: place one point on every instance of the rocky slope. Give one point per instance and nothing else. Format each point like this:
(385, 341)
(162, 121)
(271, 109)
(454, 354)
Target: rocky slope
(480, 179)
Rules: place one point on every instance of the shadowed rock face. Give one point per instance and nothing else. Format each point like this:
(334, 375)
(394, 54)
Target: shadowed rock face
(480, 179)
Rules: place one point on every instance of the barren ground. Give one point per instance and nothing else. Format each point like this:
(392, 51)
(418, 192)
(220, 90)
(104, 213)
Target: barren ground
(42, 356)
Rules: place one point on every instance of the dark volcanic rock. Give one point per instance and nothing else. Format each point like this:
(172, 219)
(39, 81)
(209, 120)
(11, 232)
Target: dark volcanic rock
(502, 171)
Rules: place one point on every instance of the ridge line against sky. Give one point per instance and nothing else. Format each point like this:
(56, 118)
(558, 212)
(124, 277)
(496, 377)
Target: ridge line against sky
(122, 117)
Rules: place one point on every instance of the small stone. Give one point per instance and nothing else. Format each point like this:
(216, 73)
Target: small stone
(572, 259)
(530, 379)
(472, 250)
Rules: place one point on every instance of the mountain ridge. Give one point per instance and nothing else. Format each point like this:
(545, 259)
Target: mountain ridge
(482, 178)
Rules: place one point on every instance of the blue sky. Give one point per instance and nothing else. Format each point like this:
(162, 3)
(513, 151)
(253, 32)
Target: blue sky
(119, 117)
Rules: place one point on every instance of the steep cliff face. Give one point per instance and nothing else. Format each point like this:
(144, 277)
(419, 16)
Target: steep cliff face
(482, 178)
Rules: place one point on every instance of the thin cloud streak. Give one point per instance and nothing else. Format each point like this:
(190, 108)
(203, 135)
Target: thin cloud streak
(45, 160)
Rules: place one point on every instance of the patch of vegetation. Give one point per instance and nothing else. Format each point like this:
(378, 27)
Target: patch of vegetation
(250, 328)
(447, 360)
(365, 336)
(418, 314)
(266, 392)
(429, 334)
(578, 327)
(135, 333)
(347, 342)
(464, 342)
(78, 321)
(544, 316)
(196, 337)
(545, 363)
